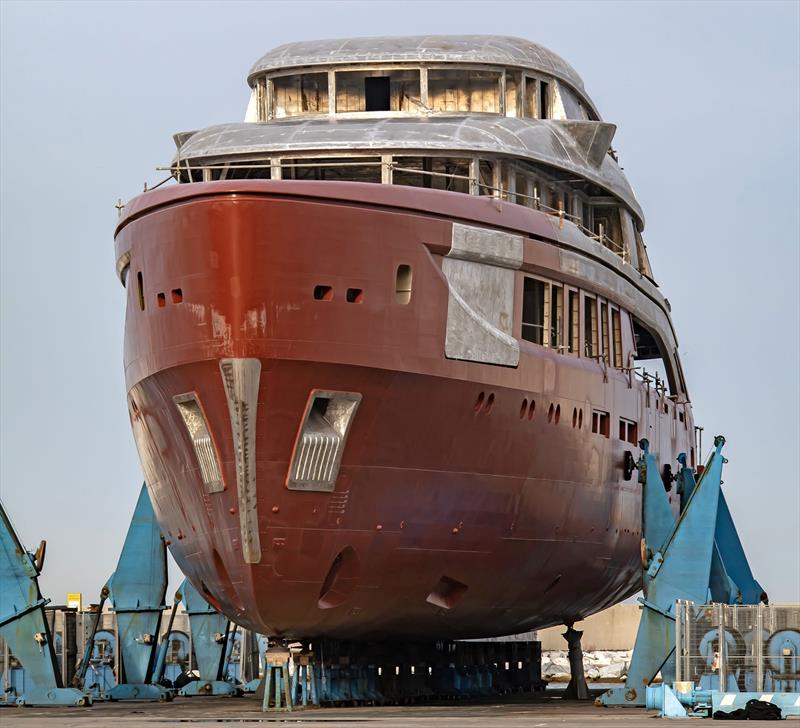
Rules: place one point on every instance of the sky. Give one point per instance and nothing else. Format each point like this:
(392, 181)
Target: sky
(705, 97)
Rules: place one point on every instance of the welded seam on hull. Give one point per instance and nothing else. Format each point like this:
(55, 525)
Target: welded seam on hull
(241, 378)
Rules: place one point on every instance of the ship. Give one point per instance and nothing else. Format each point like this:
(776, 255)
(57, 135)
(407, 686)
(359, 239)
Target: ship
(392, 344)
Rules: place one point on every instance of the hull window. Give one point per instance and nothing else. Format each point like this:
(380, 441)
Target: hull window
(628, 431)
(600, 423)
(533, 311)
(321, 441)
(140, 289)
(616, 333)
(202, 442)
(573, 323)
(604, 331)
(402, 287)
(590, 324)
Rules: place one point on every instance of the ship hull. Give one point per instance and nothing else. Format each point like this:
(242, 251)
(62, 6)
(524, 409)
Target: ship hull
(453, 515)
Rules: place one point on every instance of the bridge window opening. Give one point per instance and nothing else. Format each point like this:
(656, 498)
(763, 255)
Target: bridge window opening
(616, 333)
(254, 169)
(641, 254)
(343, 169)
(628, 431)
(590, 324)
(513, 79)
(607, 227)
(438, 173)
(544, 100)
(379, 90)
(486, 178)
(649, 355)
(573, 323)
(457, 91)
(377, 93)
(531, 107)
(600, 423)
(604, 333)
(302, 93)
(533, 310)
(403, 281)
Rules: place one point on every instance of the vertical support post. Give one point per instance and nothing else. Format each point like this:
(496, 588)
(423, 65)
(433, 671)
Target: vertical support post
(474, 176)
(723, 662)
(386, 169)
(331, 93)
(758, 646)
(577, 689)
(423, 86)
(680, 618)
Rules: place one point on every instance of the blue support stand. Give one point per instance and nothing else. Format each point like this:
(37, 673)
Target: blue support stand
(277, 689)
(137, 589)
(24, 627)
(683, 559)
(210, 631)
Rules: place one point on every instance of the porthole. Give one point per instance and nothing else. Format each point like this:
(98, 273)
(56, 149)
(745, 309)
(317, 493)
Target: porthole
(478, 406)
(523, 408)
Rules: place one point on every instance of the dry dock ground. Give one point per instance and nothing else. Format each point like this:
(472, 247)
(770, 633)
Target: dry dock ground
(521, 711)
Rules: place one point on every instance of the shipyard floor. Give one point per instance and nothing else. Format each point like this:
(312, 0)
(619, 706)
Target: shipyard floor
(512, 711)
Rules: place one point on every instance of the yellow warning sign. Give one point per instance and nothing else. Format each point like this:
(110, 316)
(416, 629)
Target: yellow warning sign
(74, 601)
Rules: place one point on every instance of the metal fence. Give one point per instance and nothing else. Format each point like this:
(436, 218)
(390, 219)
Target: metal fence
(745, 648)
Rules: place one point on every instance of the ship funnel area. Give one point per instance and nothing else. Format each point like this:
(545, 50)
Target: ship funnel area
(241, 379)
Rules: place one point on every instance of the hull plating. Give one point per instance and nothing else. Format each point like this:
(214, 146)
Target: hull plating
(448, 518)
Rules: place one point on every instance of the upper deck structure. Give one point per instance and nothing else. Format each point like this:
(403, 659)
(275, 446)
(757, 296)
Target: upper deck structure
(481, 115)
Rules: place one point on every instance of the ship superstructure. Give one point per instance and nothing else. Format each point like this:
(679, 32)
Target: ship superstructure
(386, 345)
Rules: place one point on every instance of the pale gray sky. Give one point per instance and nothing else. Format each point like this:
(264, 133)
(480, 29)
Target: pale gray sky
(706, 99)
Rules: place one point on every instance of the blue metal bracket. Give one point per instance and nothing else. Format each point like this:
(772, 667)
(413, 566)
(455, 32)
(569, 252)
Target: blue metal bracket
(137, 589)
(210, 635)
(24, 626)
(690, 561)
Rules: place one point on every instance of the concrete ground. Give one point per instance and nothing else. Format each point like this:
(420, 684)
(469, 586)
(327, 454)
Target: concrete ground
(514, 710)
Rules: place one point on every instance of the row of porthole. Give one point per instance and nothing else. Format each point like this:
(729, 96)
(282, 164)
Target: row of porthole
(325, 293)
(176, 295)
(528, 409)
(402, 289)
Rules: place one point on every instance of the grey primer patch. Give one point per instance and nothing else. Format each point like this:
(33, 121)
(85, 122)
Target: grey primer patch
(241, 378)
(480, 310)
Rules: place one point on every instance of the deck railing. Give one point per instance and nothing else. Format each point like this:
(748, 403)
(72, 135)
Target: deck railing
(476, 187)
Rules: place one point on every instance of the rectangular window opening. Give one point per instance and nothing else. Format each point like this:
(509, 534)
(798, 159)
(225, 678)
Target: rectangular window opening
(177, 295)
(377, 93)
(162, 300)
(574, 323)
(140, 288)
(604, 332)
(464, 90)
(354, 295)
(600, 423)
(628, 431)
(544, 100)
(556, 316)
(590, 324)
(616, 332)
(403, 281)
(205, 451)
(323, 293)
(533, 310)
